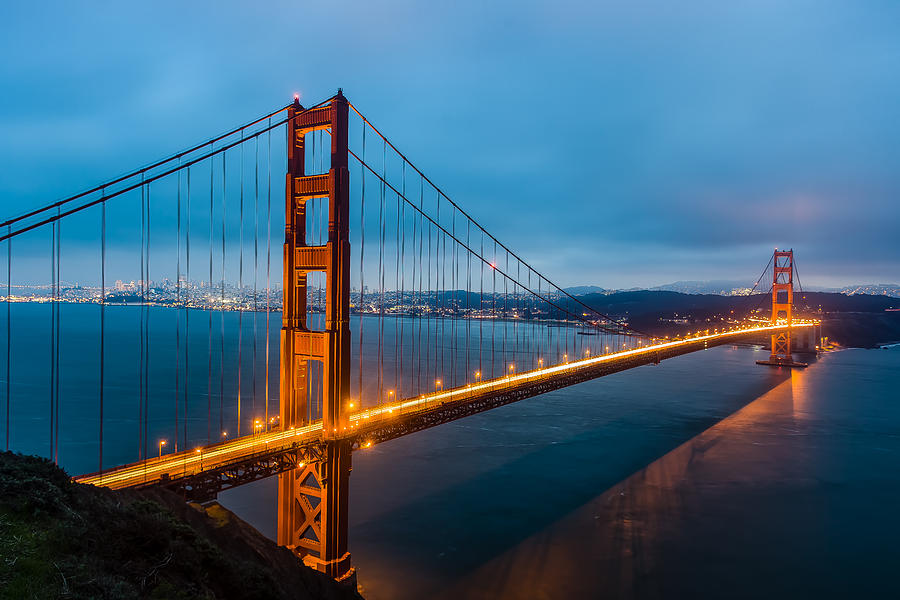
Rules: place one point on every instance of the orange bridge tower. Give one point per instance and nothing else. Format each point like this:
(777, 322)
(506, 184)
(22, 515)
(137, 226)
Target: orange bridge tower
(782, 309)
(782, 304)
(312, 497)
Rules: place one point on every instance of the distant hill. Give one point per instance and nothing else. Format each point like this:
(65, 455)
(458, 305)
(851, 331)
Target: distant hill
(644, 302)
(857, 320)
(581, 290)
(723, 287)
(736, 287)
(876, 289)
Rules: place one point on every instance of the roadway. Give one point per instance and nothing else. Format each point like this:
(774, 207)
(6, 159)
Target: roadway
(387, 421)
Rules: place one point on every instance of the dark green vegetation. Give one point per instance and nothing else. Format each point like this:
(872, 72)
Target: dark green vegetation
(59, 539)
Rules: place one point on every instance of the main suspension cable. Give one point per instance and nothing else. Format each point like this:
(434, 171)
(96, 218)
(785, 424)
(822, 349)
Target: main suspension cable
(146, 169)
(477, 224)
(181, 165)
(446, 233)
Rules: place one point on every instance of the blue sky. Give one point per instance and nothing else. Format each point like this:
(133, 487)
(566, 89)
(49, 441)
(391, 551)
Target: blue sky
(610, 143)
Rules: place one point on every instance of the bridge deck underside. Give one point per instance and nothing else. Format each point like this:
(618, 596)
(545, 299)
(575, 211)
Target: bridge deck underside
(201, 473)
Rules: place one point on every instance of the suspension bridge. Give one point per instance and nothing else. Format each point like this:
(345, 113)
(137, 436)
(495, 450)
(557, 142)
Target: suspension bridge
(399, 312)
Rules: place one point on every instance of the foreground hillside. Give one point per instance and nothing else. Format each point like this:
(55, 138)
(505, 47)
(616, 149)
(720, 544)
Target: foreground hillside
(60, 539)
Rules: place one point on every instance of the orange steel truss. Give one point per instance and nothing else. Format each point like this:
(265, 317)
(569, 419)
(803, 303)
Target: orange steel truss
(312, 498)
(782, 304)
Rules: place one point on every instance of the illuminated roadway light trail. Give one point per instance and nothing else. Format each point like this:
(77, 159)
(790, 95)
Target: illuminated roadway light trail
(205, 458)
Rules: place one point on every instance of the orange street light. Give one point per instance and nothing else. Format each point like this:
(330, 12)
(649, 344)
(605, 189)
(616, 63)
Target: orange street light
(438, 384)
(161, 444)
(477, 375)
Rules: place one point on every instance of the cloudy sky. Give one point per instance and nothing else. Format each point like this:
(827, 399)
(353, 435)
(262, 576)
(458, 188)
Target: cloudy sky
(611, 143)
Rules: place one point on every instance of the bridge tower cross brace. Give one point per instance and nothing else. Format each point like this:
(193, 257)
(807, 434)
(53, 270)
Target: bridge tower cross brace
(313, 498)
(782, 304)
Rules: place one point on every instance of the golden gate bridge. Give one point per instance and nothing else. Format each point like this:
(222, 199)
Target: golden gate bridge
(399, 312)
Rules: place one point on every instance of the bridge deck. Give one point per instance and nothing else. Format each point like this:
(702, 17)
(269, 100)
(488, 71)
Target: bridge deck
(202, 472)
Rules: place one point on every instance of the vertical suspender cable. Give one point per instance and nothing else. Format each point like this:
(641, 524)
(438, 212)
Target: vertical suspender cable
(222, 309)
(538, 318)
(556, 319)
(187, 299)
(240, 291)
(420, 302)
(58, 312)
(177, 302)
(413, 307)
(442, 280)
(102, 318)
(494, 309)
(428, 363)
(147, 335)
(255, 266)
(527, 302)
(362, 272)
(268, 255)
(438, 301)
(548, 348)
(209, 310)
(505, 312)
(468, 315)
(381, 276)
(518, 311)
(8, 329)
(141, 335)
(401, 219)
(481, 311)
(52, 336)
(398, 356)
(453, 265)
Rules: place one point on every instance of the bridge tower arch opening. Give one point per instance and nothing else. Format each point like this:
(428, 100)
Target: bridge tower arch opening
(313, 498)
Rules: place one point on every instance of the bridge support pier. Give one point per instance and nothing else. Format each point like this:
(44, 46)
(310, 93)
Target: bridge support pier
(312, 511)
(313, 498)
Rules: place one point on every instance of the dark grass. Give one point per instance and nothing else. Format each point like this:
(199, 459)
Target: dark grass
(60, 539)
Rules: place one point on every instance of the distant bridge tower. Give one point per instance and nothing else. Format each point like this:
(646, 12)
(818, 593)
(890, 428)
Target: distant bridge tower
(782, 304)
(312, 498)
(782, 309)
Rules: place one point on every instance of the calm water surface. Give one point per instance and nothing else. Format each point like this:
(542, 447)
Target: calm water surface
(705, 476)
